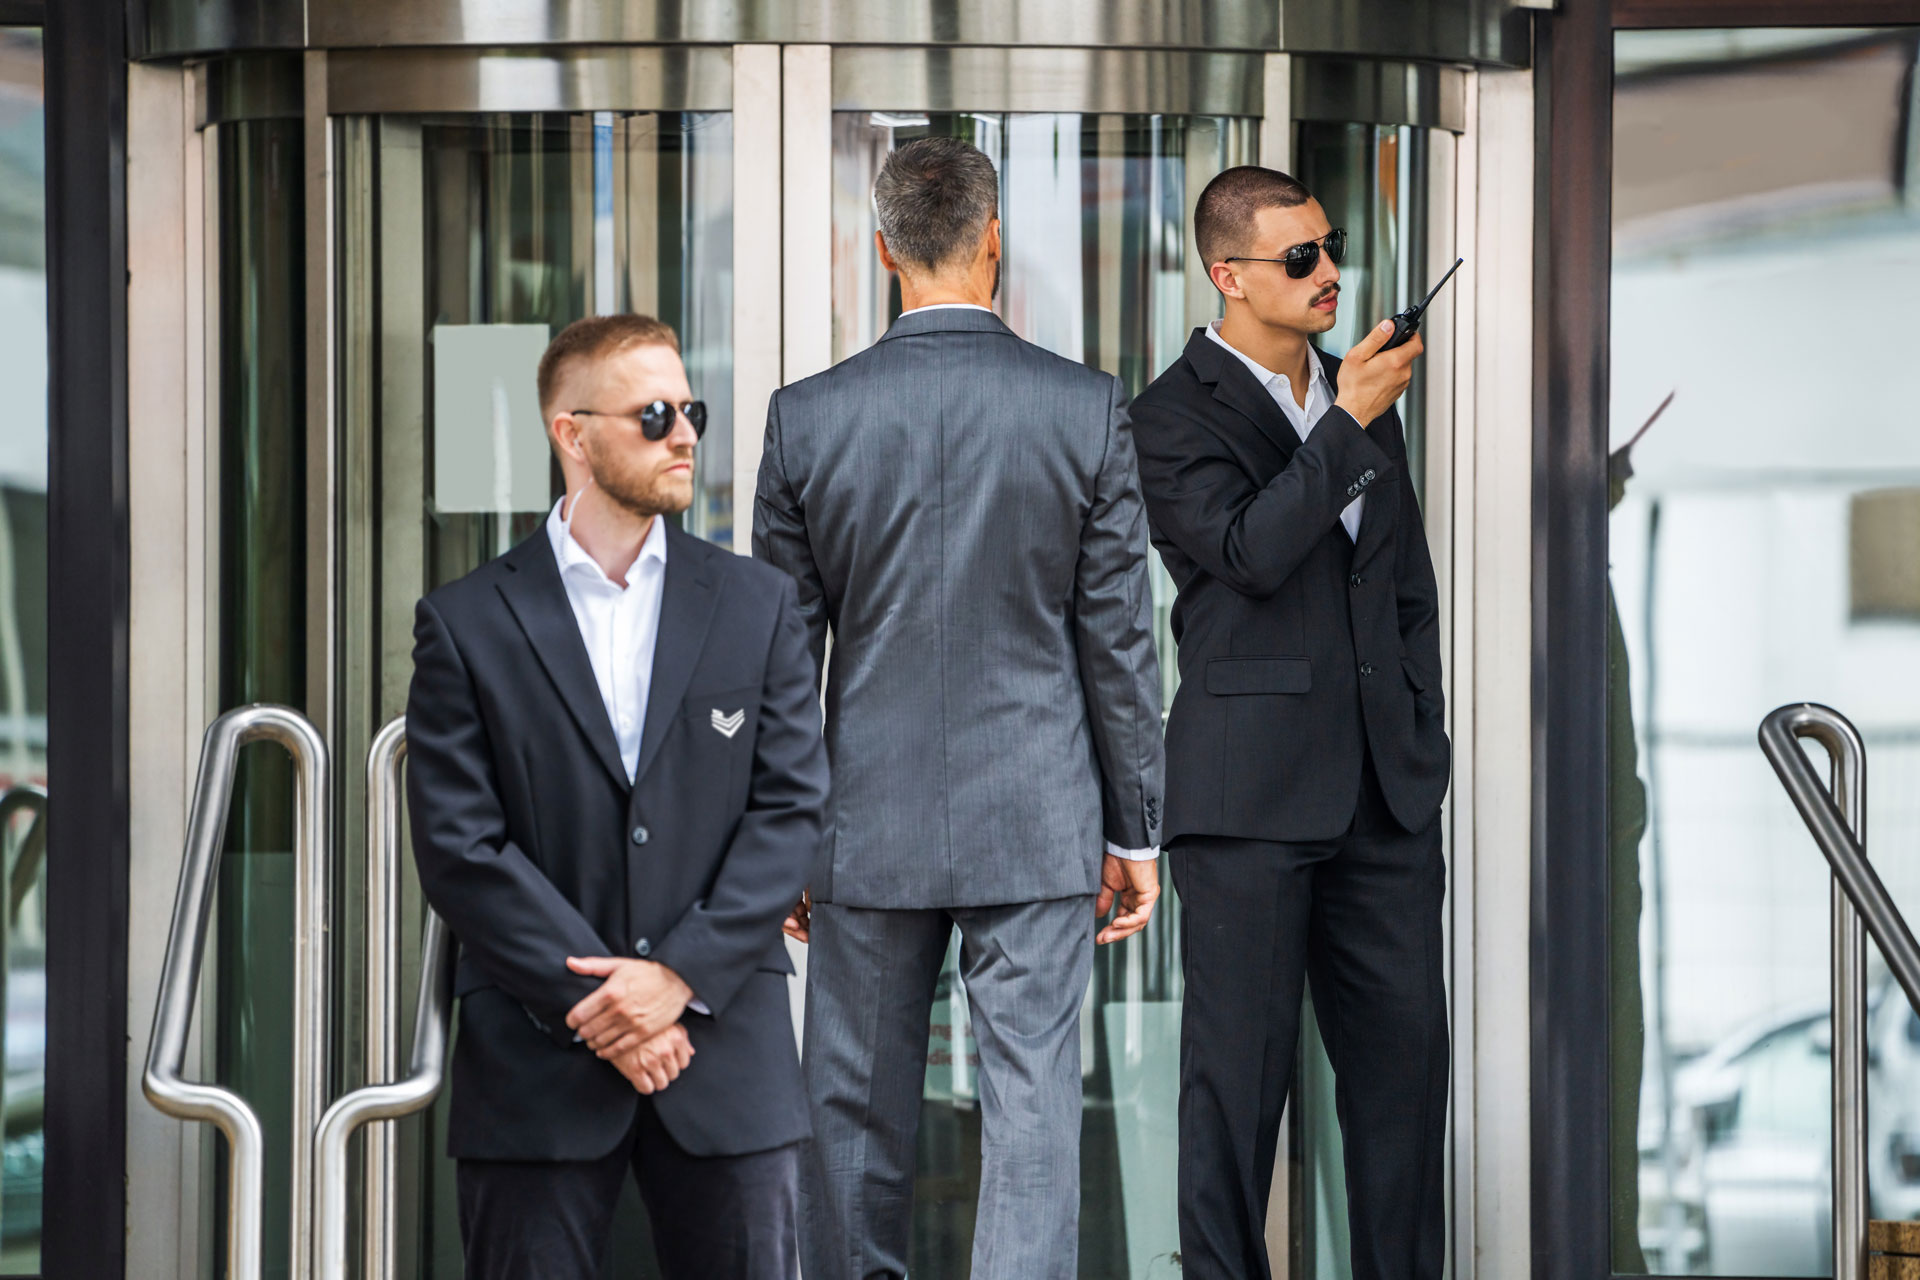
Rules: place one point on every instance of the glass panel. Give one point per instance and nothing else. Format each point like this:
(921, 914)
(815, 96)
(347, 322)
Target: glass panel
(23, 645)
(262, 632)
(1098, 268)
(1372, 179)
(1765, 549)
(468, 241)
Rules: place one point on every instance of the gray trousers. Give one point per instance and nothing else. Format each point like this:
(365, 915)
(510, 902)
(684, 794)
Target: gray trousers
(870, 987)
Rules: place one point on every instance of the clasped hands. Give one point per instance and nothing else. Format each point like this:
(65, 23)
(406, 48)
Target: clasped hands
(633, 1020)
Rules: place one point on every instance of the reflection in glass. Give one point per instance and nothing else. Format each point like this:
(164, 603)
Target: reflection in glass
(23, 646)
(262, 632)
(1764, 549)
(465, 241)
(1099, 267)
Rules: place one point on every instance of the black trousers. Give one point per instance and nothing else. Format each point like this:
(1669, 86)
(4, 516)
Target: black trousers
(713, 1217)
(1360, 918)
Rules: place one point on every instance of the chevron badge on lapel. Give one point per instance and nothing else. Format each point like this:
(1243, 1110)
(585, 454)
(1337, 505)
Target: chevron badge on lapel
(727, 725)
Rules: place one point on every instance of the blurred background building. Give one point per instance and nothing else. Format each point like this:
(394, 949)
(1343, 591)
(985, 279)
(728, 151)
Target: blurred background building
(274, 275)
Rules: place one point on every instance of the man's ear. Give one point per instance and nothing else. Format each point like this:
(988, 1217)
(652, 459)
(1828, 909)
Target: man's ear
(564, 434)
(886, 259)
(1226, 279)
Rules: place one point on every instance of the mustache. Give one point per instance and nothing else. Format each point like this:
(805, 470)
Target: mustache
(1328, 292)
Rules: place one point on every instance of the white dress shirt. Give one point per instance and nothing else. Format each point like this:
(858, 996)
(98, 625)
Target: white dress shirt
(1131, 855)
(949, 306)
(1302, 418)
(619, 625)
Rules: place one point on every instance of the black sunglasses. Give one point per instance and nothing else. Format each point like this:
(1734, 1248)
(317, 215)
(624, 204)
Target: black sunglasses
(1302, 258)
(656, 420)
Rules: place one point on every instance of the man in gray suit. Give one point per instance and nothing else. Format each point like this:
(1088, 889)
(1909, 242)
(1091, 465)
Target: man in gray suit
(962, 511)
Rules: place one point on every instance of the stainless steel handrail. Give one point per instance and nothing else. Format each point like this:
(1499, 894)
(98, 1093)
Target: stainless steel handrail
(163, 1083)
(1837, 818)
(384, 762)
(385, 1102)
(434, 1011)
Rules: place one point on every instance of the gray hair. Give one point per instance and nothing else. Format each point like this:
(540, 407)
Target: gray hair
(933, 199)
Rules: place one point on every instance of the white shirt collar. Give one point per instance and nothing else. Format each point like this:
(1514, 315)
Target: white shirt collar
(1316, 372)
(947, 306)
(570, 555)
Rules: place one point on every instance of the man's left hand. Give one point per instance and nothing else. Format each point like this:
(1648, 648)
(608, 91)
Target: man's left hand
(1136, 886)
(638, 1000)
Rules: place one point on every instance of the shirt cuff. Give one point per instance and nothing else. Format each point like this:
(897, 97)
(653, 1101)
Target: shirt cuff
(1133, 855)
(700, 1007)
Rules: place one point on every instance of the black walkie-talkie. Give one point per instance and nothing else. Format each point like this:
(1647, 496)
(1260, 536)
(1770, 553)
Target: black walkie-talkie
(1407, 323)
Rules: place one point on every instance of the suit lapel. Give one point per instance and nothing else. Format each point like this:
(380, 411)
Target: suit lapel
(1235, 386)
(1240, 390)
(539, 602)
(686, 611)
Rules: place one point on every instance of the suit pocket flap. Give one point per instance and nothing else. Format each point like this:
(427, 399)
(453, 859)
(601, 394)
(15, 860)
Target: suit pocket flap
(1227, 677)
(1414, 677)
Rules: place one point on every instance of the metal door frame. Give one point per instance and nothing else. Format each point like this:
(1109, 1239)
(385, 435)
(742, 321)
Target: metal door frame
(1570, 1055)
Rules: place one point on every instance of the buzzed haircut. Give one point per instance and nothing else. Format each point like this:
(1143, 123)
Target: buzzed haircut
(595, 338)
(933, 200)
(1223, 223)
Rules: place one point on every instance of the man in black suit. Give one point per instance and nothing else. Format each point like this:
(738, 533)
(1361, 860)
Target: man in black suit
(617, 782)
(1306, 757)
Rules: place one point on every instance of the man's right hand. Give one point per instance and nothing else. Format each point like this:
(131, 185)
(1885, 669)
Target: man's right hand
(799, 921)
(654, 1064)
(1372, 379)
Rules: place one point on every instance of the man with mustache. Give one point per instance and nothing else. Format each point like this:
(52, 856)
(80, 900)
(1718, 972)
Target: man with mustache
(616, 779)
(1306, 757)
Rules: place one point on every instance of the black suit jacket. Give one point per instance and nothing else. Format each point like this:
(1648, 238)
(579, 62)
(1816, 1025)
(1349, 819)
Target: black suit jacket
(533, 847)
(1292, 636)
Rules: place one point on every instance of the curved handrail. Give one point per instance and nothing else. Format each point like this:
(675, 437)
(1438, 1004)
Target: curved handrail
(1843, 850)
(163, 1082)
(379, 1153)
(384, 1101)
(1837, 818)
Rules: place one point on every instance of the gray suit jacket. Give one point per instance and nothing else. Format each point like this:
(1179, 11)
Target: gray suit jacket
(962, 509)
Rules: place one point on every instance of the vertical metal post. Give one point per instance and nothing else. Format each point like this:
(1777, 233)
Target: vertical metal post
(180, 974)
(1838, 822)
(383, 982)
(1848, 782)
(432, 1026)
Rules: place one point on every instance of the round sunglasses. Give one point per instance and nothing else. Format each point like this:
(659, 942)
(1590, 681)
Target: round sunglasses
(656, 420)
(1301, 259)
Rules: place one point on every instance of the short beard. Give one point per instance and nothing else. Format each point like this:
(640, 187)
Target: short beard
(636, 496)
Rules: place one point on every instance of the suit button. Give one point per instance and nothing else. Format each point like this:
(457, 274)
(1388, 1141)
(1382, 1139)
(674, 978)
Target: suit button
(641, 835)
(1366, 668)
(642, 948)
(1355, 580)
